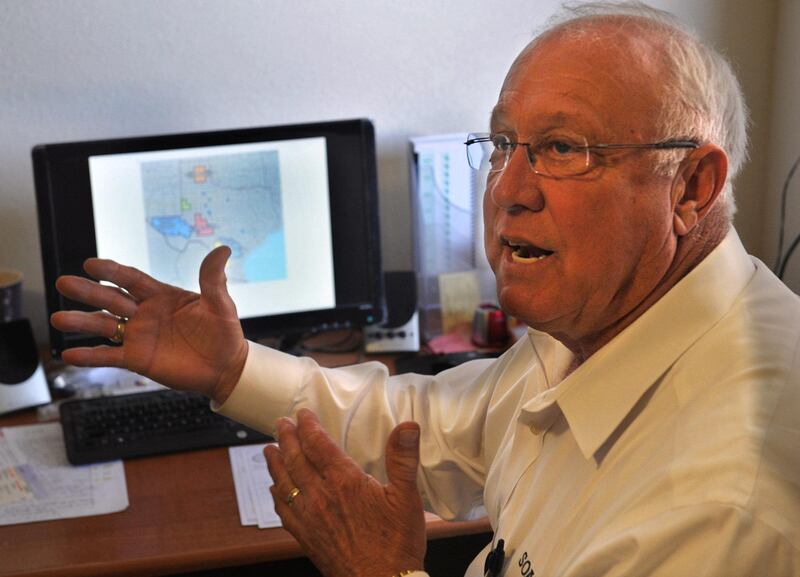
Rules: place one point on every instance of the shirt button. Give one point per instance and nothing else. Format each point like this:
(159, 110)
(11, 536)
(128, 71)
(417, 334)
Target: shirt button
(535, 430)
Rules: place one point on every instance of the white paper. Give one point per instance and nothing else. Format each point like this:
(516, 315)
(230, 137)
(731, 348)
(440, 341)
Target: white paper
(247, 509)
(252, 481)
(33, 457)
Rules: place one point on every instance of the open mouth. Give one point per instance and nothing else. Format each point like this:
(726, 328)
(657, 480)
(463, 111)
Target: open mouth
(526, 253)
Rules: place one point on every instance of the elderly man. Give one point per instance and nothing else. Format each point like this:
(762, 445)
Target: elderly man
(646, 425)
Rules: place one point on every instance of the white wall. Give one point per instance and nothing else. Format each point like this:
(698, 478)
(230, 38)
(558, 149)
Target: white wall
(88, 69)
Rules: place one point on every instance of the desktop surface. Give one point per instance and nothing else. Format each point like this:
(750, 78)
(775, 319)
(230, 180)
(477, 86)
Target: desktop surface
(183, 517)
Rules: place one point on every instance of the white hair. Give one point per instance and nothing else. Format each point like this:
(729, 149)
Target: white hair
(702, 98)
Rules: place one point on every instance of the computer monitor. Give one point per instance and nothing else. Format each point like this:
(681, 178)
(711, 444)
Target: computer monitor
(297, 204)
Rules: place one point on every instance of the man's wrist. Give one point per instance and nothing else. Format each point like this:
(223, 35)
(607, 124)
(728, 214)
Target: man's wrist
(230, 377)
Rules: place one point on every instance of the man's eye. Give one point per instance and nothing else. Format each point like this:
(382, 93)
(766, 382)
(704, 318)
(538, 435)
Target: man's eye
(501, 143)
(560, 147)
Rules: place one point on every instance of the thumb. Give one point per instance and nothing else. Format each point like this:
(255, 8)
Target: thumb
(402, 456)
(213, 279)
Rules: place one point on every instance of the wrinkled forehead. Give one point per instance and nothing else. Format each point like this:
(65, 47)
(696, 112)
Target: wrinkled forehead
(604, 77)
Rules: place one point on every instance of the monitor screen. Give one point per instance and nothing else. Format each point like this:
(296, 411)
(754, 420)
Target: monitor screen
(296, 204)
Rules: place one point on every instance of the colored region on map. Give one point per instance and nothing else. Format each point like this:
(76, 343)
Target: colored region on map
(173, 225)
(262, 263)
(194, 204)
(201, 226)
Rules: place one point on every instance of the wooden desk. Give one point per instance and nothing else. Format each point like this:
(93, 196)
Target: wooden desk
(182, 517)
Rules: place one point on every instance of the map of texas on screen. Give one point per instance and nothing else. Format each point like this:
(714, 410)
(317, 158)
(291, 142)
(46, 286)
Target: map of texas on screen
(194, 204)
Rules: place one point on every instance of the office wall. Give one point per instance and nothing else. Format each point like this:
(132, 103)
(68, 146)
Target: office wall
(87, 69)
(784, 143)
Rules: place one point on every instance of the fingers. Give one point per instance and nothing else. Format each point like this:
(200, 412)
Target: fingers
(283, 484)
(95, 323)
(306, 457)
(290, 515)
(276, 466)
(320, 450)
(137, 283)
(402, 456)
(91, 293)
(289, 504)
(297, 465)
(213, 280)
(102, 356)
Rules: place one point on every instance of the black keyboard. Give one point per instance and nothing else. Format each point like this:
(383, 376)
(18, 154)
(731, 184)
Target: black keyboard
(143, 424)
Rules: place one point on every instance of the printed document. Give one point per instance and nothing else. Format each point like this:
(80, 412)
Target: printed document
(252, 480)
(37, 483)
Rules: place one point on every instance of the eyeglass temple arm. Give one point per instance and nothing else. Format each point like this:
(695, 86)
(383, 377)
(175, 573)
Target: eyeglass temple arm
(656, 145)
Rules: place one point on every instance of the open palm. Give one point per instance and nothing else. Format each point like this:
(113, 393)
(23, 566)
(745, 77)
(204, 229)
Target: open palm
(176, 337)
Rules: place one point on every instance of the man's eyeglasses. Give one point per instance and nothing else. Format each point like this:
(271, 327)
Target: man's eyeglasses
(557, 156)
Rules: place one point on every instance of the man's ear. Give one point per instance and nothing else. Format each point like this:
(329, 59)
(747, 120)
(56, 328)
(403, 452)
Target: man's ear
(697, 186)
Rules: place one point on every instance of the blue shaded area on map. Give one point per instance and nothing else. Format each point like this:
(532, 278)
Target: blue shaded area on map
(267, 261)
(172, 226)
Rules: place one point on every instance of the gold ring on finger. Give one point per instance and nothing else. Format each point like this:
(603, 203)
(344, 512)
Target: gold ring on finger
(292, 495)
(119, 331)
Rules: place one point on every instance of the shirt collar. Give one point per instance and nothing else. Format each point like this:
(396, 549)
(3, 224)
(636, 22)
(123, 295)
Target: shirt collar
(597, 396)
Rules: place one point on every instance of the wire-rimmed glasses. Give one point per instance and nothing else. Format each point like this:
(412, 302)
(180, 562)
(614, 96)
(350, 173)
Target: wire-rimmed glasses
(554, 156)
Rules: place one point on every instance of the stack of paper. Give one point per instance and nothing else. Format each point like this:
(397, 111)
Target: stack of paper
(252, 481)
(37, 483)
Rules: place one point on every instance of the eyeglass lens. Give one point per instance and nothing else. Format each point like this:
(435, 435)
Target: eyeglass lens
(552, 156)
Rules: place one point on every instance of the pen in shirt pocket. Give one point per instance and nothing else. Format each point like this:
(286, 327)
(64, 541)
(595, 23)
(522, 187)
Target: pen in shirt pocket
(494, 560)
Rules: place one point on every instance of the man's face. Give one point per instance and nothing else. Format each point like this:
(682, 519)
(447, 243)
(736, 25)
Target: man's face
(607, 235)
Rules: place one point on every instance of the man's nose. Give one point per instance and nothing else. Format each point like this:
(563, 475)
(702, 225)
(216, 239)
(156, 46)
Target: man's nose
(517, 186)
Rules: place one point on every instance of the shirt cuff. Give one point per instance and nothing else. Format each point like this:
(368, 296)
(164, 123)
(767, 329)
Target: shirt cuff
(266, 389)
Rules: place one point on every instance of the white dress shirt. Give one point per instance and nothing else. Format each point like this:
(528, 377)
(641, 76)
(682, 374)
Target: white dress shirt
(673, 451)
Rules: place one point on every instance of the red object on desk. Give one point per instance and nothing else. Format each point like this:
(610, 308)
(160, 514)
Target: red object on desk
(489, 326)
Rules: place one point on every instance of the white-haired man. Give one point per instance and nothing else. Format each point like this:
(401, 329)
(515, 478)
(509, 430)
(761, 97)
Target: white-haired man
(647, 424)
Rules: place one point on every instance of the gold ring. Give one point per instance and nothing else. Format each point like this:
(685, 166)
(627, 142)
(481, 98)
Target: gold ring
(292, 495)
(119, 332)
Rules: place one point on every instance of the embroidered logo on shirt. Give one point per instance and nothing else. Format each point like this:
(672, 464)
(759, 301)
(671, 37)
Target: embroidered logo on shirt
(525, 566)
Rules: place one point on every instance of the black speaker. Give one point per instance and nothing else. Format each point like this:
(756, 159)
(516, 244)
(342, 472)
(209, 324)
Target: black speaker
(22, 380)
(400, 331)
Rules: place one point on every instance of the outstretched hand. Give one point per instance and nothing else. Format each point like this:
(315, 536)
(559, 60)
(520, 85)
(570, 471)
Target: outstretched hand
(176, 337)
(347, 522)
